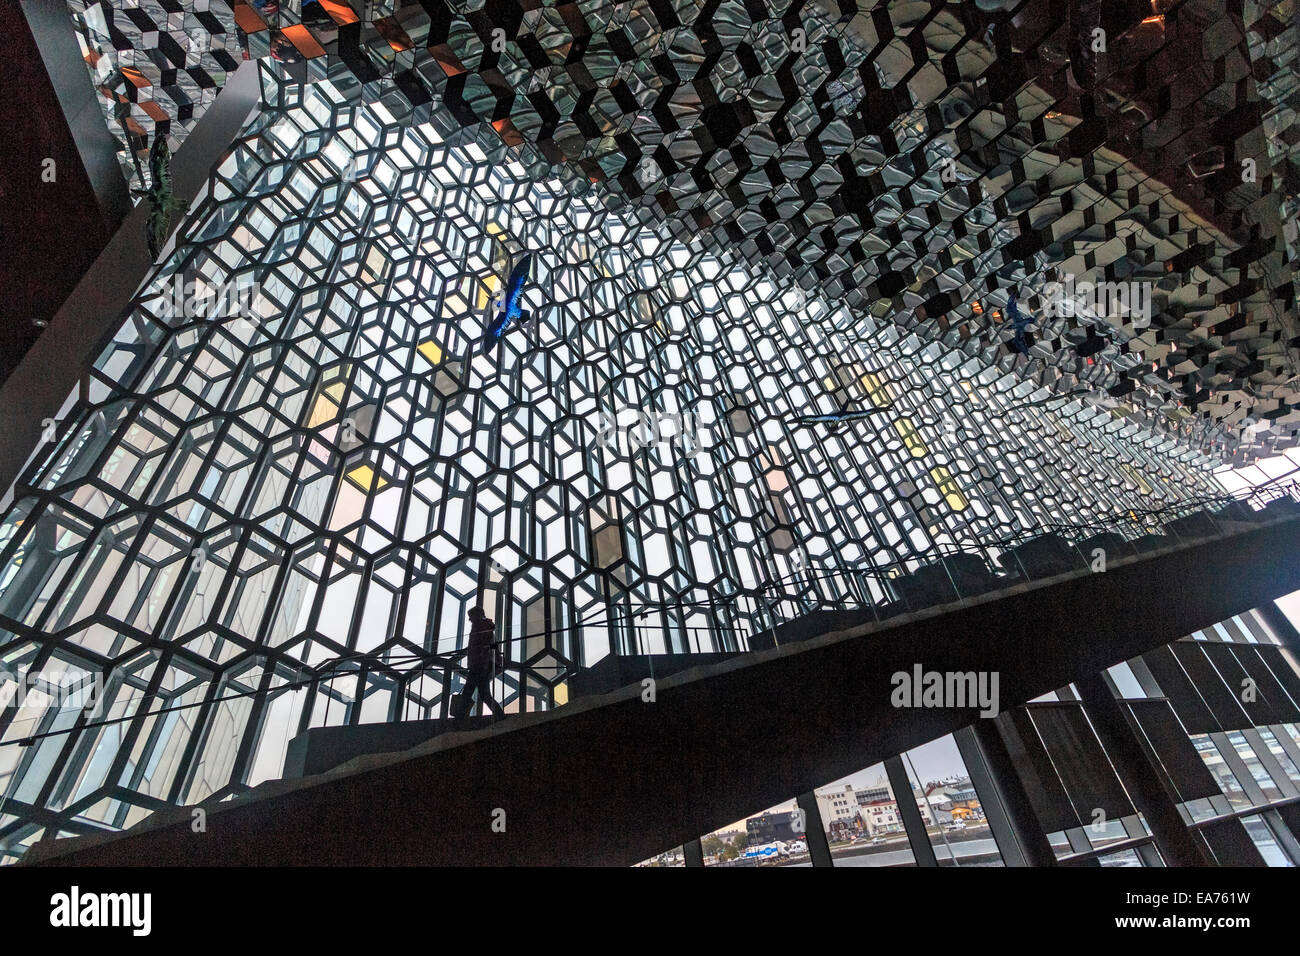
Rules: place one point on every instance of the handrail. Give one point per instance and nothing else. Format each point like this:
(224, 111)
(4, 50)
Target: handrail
(894, 588)
(332, 668)
(1130, 519)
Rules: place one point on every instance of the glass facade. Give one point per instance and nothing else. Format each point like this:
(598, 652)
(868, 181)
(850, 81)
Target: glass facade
(292, 470)
(910, 160)
(753, 270)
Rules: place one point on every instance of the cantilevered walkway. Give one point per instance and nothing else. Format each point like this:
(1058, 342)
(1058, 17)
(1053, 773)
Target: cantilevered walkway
(614, 779)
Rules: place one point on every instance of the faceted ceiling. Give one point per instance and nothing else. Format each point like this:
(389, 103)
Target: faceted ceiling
(916, 161)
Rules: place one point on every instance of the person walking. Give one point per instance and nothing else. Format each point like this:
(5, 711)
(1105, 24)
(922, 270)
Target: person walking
(485, 661)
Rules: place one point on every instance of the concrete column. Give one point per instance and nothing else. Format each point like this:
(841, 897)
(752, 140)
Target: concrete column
(693, 852)
(814, 834)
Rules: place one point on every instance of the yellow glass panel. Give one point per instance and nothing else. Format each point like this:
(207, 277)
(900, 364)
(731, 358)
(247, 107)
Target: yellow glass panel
(454, 305)
(948, 488)
(486, 289)
(366, 478)
(561, 694)
(430, 350)
(876, 390)
(323, 411)
(911, 439)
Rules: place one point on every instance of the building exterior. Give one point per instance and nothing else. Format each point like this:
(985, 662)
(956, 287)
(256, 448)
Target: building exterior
(771, 828)
(882, 816)
(879, 791)
(1225, 761)
(840, 810)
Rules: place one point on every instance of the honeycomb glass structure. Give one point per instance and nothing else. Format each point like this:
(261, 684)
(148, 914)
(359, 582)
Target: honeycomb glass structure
(912, 160)
(292, 471)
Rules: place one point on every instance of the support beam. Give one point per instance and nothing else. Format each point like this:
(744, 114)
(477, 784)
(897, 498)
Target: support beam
(62, 194)
(1281, 625)
(93, 312)
(1011, 816)
(1172, 837)
(80, 104)
(819, 849)
(909, 813)
(693, 853)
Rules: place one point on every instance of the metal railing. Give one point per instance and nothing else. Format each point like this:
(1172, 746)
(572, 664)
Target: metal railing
(954, 573)
(751, 618)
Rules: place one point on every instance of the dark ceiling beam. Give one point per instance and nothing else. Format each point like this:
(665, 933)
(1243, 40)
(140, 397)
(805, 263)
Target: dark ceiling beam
(53, 368)
(54, 127)
(81, 105)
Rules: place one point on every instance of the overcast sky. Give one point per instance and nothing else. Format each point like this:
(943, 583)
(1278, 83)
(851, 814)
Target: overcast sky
(1235, 479)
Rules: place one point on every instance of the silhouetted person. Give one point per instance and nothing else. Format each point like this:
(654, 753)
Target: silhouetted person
(485, 661)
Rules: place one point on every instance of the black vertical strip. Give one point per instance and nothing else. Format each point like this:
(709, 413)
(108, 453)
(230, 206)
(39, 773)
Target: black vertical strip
(1221, 700)
(1263, 662)
(1282, 663)
(1045, 791)
(1171, 836)
(1022, 824)
(1080, 761)
(922, 849)
(1290, 814)
(1281, 625)
(1178, 689)
(1187, 772)
(814, 834)
(1225, 660)
(693, 853)
(1231, 843)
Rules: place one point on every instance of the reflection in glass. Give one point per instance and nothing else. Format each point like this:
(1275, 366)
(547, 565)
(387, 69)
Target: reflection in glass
(1265, 842)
